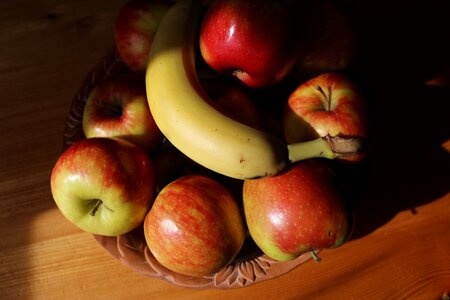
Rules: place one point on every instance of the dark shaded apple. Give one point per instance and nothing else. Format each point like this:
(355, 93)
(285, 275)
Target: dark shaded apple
(326, 38)
(134, 29)
(233, 101)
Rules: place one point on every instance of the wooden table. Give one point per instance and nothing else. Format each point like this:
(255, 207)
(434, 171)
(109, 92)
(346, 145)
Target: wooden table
(401, 245)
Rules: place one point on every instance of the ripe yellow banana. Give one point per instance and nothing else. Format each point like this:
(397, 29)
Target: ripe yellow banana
(183, 113)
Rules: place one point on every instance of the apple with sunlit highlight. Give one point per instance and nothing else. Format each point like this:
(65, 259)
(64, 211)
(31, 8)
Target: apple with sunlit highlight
(251, 40)
(297, 211)
(330, 104)
(195, 226)
(104, 186)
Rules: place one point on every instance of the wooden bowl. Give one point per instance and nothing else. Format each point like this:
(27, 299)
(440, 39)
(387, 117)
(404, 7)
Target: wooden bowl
(250, 266)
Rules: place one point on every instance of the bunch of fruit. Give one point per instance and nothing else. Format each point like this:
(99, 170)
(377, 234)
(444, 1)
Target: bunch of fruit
(224, 123)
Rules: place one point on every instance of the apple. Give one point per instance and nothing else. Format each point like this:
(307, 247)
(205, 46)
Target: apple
(104, 186)
(326, 39)
(169, 164)
(327, 105)
(232, 101)
(118, 107)
(252, 40)
(195, 226)
(296, 211)
(134, 29)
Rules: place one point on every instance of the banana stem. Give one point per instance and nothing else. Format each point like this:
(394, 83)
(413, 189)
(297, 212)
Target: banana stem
(310, 149)
(327, 147)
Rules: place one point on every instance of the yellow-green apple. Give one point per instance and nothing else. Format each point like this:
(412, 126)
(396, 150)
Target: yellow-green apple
(118, 107)
(327, 105)
(195, 226)
(296, 211)
(326, 39)
(250, 39)
(134, 29)
(104, 186)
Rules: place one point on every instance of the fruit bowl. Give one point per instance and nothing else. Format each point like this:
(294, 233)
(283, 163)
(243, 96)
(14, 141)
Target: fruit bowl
(250, 266)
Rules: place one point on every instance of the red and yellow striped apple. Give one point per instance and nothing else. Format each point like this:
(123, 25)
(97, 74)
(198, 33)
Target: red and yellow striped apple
(329, 104)
(117, 107)
(195, 226)
(134, 29)
(104, 186)
(296, 211)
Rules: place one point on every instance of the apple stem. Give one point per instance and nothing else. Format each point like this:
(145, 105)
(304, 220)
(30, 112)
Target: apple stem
(314, 256)
(328, 147)
(329, 98)
(98, 202)
(325, 96)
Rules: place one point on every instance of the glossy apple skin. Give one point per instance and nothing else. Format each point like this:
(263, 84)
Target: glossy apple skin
(195, 226)
(134, 29)
(341, 110)
(326, 39)
(115, 171)
(118, 107)
(297, 211)
(249, 39)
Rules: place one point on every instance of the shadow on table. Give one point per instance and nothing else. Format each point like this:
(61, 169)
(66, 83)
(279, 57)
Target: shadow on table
(403, 46)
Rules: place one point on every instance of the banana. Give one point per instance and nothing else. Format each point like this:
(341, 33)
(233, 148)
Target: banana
(182, 110)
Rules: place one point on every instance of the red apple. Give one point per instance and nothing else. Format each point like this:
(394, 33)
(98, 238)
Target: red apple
(118, 107)
(195, 226)
(104, 186)
(326, 38)
(232, 101)
(134, 29)
(296, 211)
(250, 39)
(329, 104)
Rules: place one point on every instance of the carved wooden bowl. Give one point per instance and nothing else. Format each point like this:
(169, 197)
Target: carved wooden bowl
(250, 266)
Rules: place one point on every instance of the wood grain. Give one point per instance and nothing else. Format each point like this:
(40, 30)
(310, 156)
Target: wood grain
(401, 245)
